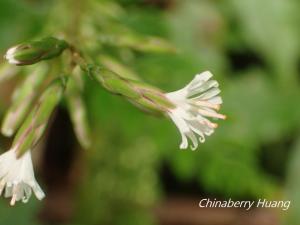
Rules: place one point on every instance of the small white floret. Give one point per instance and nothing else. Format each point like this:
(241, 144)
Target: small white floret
(17, 179)
(193, 104)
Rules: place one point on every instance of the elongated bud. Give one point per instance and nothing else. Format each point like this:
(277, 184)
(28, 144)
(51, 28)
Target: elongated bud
(144, 96)
(35, 124)
(78, 112)
(35, 51)
(22, 100)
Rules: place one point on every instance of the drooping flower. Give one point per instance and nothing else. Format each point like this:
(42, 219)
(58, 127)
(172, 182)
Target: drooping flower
(17, 177)
(193, 104)
(189, 108)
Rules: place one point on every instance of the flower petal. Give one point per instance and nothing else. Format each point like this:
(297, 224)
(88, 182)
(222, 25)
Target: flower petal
(199, 79)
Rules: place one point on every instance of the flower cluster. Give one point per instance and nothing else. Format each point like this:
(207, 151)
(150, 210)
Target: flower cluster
(189, 108)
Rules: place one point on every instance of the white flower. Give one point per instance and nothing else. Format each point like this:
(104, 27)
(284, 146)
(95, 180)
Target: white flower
(10, 55)
(17, 177)
(193, 103)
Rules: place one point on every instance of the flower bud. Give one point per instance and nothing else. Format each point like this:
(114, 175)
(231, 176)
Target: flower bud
(35, 51)
(34, 126)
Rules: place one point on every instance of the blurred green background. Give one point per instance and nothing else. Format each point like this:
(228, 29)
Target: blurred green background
(135, 173)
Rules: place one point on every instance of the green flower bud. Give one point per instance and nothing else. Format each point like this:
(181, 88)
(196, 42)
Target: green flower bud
(35, 124)
(114, 83)
(35, 51)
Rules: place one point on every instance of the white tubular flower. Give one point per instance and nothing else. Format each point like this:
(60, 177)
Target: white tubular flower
(17, 177)
(193, 103)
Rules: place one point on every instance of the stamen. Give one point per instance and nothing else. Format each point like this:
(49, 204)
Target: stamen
(208, 104)
(212, 114)
(15, 194)
(13, 200)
